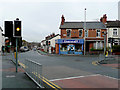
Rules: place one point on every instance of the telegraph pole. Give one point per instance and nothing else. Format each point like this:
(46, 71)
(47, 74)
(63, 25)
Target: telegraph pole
(84, 32)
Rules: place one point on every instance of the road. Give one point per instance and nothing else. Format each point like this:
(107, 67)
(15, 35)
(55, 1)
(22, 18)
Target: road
(55, 67)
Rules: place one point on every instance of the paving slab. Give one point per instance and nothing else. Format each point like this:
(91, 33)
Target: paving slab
(11, 79)
(90, 81)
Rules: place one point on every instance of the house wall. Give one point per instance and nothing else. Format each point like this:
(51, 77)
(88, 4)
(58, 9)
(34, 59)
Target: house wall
(110, 34)
(52, 41)
(57, 48)
(0, 40)
(119, 10)
(75, 33)
(3, 40)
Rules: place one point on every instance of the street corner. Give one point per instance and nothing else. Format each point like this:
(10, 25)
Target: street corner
(12, 70)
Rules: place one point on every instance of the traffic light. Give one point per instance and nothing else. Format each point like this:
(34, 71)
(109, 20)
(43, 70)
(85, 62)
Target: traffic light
(17, 28)
(8, 28)
(49, 43)
(109, 40)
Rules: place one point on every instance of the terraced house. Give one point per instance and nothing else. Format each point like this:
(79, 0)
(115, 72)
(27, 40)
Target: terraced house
(73, 36)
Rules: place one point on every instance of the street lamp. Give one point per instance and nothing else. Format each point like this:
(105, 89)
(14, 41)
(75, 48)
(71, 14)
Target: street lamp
(105, 33)
(85, 32)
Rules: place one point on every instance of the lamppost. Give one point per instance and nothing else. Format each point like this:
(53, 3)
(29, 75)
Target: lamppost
(85, 32)
(105, 33)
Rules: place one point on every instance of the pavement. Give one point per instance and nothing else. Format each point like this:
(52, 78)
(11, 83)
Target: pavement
(11, 79)
(89, 81)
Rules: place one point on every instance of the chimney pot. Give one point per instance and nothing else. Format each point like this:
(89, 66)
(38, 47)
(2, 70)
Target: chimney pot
(63, 20)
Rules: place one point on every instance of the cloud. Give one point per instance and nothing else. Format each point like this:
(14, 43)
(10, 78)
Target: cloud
(19, 1)
(40, 19)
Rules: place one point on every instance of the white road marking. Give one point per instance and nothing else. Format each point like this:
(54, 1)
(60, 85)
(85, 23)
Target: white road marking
(83, 77)
(74, 77)
(110, 77)
(10, 76)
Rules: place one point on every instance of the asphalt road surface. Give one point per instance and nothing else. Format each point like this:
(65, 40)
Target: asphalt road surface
(55, 67)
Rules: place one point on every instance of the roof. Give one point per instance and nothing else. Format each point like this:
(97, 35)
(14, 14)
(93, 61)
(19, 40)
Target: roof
(54, 36)
(113, 24)
(1, 29)
(80, 25)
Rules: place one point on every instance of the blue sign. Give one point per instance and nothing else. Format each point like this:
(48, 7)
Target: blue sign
(80, 41)
(71, 41)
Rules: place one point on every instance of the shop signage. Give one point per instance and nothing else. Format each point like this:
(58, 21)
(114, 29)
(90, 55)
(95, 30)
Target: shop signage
(71, 41)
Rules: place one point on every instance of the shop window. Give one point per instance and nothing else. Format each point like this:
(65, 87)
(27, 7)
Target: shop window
(78, 47)
(68, 33)
(80, 33)
(63, 47)
(98, 33)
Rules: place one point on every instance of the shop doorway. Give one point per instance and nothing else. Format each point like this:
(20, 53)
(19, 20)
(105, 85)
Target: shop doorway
(71, 49)
(87, 46)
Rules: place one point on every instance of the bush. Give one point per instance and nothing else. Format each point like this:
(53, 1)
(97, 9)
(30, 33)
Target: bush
(116, 48)
(92, 49)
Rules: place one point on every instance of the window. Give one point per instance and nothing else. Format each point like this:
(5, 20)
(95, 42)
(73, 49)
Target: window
(80, 33)
(86, 33)
(114, 31)
(98, 33)
(68, 33)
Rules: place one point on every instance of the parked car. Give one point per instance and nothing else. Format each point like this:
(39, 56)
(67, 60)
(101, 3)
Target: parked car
(24, 49)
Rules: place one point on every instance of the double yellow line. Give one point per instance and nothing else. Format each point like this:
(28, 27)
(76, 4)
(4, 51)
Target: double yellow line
(21, 64)
(46, 81)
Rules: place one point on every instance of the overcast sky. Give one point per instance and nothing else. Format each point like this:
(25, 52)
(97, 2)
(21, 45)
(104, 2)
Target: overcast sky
(42, 17)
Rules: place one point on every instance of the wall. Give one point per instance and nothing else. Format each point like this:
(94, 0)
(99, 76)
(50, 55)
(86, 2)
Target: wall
(110, 34)
(0, 40)
(52, 41)
(119, 10)
(75, 33)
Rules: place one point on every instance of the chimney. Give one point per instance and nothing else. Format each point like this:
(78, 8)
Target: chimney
(101, 19)
(104, 19)
(63, 20)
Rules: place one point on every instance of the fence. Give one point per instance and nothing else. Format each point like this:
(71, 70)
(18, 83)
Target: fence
(34, 71)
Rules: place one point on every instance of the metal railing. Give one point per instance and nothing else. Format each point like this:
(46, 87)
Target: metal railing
(34, 71)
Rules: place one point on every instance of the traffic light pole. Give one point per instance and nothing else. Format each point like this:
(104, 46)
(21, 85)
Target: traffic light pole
(104, 43)
(16, 55)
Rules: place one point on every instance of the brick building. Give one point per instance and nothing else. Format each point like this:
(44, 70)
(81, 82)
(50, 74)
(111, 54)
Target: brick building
(72, 36)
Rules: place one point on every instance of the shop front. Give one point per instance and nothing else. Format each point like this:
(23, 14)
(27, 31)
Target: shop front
(69, 46)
